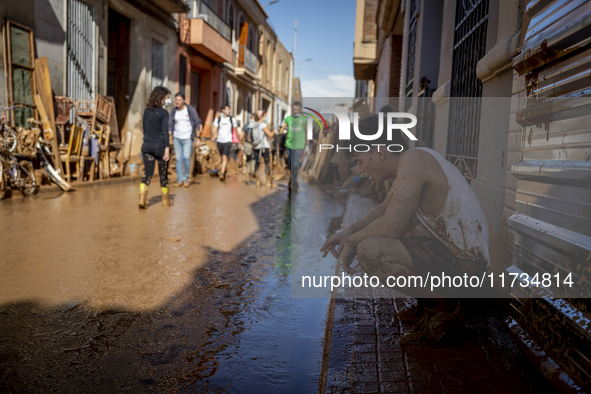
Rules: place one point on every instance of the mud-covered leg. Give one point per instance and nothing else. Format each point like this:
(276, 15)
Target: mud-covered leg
(163, 171)
(149, 165)
(436, 316)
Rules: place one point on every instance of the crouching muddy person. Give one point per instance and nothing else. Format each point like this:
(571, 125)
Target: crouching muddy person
(430, 223)
(156, 147)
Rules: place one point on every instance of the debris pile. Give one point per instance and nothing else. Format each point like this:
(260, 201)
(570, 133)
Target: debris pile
(80, 137)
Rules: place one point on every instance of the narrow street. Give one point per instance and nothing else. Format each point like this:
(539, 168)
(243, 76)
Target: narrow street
(98, 296)
(432, 149)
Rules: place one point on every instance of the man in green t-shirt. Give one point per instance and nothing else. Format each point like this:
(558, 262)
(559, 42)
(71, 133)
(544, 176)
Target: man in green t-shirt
(295, 141)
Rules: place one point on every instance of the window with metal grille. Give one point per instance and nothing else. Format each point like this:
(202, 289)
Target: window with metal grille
(157, 63)
(464, 120)
(425, 114)
(81, 55)
(228, 96)
(248, 106)
(412, 44)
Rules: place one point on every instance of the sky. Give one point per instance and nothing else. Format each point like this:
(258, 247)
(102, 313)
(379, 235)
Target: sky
(326, 31)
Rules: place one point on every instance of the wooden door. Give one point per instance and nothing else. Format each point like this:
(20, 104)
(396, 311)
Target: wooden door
(118, 64)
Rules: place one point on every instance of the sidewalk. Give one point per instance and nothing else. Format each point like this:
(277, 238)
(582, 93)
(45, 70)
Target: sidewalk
(362, 354)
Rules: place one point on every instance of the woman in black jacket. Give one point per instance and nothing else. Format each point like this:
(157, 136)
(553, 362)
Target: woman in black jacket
(156, 147)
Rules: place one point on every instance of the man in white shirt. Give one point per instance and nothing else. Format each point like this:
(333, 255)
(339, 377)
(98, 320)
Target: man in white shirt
(222, 135)
(185, 126)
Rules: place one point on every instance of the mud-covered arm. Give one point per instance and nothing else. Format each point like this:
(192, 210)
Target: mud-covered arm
(409, 184)
(370, 217)
(340, 238)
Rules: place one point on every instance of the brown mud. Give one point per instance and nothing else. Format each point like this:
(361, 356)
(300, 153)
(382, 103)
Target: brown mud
(96, 297)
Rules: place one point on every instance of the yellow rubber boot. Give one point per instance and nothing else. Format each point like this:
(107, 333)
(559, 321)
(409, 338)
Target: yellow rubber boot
(166, 201)
(143, 196)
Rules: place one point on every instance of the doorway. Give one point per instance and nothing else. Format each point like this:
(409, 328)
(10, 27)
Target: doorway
(195, 89)
(118, 64)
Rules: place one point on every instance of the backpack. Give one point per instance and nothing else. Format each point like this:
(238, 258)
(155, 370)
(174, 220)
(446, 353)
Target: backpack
(258, 135)
(248, 133)
(235, 139)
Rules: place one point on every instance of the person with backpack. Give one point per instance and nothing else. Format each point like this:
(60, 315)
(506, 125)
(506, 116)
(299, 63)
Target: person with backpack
(260, 140)
(185, 125)
(224, 130)
(248, 147)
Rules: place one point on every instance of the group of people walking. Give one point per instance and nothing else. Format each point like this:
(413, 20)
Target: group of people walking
(260, 142)
(185, 126)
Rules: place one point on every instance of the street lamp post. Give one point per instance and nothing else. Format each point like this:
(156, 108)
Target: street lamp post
(273, 2)
(300, 65)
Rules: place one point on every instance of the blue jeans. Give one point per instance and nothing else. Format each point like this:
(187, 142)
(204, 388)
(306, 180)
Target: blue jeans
(182, 150)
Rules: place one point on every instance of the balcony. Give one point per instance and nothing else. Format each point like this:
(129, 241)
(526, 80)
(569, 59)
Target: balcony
(247, 62)
(200, 10)
(206, 32)
(172, 6)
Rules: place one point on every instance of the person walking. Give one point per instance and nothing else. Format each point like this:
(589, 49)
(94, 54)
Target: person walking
(222, 135)
(156, 146)
(185, 125)
(295, 141)
(280, 138)
(260, 140)
(248, 147)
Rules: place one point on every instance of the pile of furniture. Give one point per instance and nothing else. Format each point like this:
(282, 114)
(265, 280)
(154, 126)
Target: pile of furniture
(84, 135)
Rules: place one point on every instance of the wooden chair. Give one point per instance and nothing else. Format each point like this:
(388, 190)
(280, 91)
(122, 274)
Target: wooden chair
(97, 115)
(104, 109)
(74, 152)
(64, 108)
(86, 112)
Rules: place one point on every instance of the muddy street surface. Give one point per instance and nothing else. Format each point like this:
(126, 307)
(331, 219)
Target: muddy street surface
(98, 296)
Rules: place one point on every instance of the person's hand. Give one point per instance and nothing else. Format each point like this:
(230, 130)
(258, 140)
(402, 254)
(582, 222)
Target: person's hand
(197, 142)
(166, 154)
(334, 240)
(347, 255)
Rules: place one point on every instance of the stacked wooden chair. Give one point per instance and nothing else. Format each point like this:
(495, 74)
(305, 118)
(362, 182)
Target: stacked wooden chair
(73, 155)
(96, 115)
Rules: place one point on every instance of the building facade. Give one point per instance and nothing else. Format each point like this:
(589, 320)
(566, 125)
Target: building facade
(241, 83)
(274, 76)
(206, 40)
(118, 48)
(213, 51)
(481, 70)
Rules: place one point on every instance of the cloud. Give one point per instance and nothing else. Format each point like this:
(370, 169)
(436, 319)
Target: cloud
(334, 85)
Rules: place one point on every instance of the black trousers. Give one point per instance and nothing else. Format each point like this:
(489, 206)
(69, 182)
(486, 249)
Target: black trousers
(150, 165)
(264, 152)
